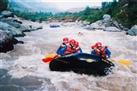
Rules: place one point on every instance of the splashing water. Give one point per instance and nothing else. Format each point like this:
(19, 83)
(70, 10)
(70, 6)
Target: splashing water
(23, 70)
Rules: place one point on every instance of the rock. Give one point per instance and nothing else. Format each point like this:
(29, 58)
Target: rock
(30, 28)
(107, 22)
(117, 25)
(106, 18)
(40, 27)
(18, 21)
(11, 30)
(85, 23)
(88, 27)
(6, 42)
(15, 23)
(12, 22)
(7, 14)
(112, 29)
(10, 88)
(97, 25)
(1, 16)
(133, 31)
(3, 72)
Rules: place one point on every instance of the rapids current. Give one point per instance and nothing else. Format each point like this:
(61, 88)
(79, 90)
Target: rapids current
(22, 69)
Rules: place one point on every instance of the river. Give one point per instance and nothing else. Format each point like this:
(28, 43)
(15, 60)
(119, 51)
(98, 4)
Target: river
(22, 69)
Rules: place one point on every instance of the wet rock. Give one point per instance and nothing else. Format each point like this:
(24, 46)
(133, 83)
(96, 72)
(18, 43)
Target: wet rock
(27, 81)
(88, 27)
(6, 42)
(10, 88)
(97, 25)
(106, 24)
(11, 30)
(107, 21)
(85, 23)
(112, 29)
(15, 23)
(93, 26)
(106, 18)
(132, 31)
(3, 72)
(12, 22)
(6, 14)
(117, 25)
(30, 83)
(40, 27)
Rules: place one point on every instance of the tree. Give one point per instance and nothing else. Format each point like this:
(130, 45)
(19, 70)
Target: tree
(87, 11)
(3, 4)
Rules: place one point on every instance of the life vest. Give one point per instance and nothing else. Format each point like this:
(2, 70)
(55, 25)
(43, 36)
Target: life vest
(70, 49)
(101, 52)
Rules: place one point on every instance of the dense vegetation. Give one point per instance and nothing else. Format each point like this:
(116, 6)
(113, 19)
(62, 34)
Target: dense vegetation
(124, 11)
(3, 4)
(34, 16)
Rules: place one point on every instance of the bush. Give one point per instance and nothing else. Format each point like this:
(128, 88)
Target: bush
(34, 16)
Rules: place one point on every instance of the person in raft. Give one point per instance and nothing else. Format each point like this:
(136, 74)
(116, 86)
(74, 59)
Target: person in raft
(69, 47)
(63, 46)
(100, 50)
(73, 48)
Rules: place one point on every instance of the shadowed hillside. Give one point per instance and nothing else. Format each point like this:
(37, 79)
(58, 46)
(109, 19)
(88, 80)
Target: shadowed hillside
(3, 4)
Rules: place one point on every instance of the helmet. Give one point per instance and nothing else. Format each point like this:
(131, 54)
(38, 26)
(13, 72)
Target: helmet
(65, 39)
(72, 41)
(98, 44)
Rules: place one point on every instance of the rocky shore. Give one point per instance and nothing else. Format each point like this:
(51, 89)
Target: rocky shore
(109, 25)
(10, 27)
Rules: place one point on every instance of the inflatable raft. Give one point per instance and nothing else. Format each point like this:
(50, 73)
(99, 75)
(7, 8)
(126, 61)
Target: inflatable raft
(83, 64)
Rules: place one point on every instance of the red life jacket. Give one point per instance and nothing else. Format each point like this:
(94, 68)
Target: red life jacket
(101, 52)
(70, 49)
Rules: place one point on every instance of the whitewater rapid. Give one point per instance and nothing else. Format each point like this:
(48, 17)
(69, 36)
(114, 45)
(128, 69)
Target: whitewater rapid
(26, 72)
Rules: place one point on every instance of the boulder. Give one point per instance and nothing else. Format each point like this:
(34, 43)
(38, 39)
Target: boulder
(112, 29)
(107, 21)
(6, 42)
(117, 25)
(15, 23)
(106, 24)
(106, 18)
(30, 28)
(7, 14)
(97, 25)
(12, 22)
(133, 31)
(85, 23)
(88, 27)
(11, 30)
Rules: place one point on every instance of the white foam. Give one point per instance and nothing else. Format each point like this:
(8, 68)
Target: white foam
(38, 43)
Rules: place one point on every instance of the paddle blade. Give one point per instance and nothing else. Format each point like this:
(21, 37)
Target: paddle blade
(125, 62)
(49, 58)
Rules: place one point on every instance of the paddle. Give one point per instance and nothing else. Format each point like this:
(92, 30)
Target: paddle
(49, 57)
(123, 62)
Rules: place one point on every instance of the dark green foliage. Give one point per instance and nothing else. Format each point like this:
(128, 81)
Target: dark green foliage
(132, 12)
(124, 11)
(95, 14)
(3, 4)
(34, 16)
